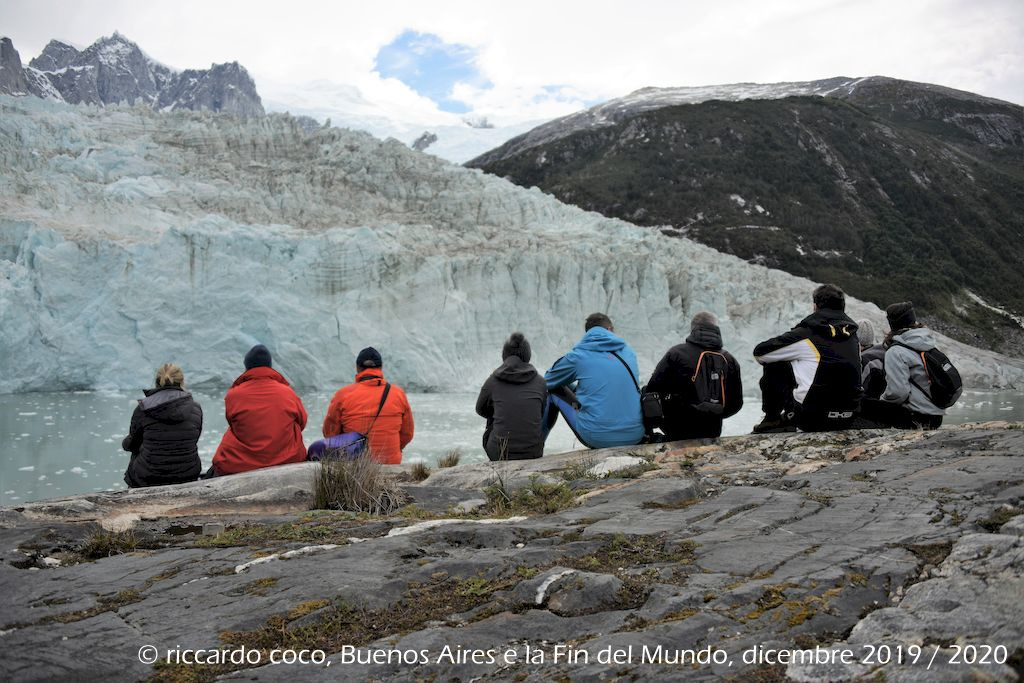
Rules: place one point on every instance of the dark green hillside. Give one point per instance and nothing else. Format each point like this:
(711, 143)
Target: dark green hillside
(920, 203)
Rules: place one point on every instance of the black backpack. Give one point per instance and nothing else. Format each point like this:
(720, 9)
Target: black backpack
(709, 382)
(944, 383)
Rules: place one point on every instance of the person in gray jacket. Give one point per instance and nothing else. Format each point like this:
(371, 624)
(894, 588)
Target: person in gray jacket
(872, 360)
(512, 400)
(904, 403)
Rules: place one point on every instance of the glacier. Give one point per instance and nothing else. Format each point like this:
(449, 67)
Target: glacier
(130, 237)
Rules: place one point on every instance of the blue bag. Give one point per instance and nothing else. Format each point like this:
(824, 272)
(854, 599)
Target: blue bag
(347, 446)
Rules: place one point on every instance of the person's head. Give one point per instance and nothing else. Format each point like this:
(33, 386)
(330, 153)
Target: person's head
(170, 375)
(865, 333)
(598, 320)
(368, 358)
(829, 296)
(703, 319)
(516, 345)
(901, 316)
(258, 357)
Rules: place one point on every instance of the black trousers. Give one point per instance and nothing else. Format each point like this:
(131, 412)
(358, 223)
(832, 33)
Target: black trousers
(885, 414)
(777, 402)
(777, 384)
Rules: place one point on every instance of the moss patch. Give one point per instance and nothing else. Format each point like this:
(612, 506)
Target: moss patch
(931, 553)
(536, 497)
(304, 530)
(343, 623)
(621, 552)
(678, 505)
(106, 544)
(998, 518)
(772, 597)
(259, 586)
(108, 603)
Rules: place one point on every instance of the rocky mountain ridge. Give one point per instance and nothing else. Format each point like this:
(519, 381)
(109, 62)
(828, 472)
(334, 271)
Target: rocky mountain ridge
(894, 190)
(874, 92)
(114, 70)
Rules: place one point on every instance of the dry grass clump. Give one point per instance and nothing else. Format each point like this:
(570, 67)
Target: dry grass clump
(537, 497)
(359, 485)
(106, 543)
(450, 459)
(419, 471)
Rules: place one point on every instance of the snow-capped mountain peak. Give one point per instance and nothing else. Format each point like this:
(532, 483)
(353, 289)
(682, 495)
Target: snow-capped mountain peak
(114, 70)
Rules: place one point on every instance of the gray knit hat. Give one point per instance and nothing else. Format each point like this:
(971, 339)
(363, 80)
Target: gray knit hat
(865, 333)
(517, 346)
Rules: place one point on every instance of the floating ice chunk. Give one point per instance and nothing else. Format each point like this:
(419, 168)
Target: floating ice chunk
(29, 468)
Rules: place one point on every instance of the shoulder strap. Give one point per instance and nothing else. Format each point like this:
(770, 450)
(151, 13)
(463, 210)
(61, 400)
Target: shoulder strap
(924, 363)
(700, 359)
(380, 407)
(631, 376)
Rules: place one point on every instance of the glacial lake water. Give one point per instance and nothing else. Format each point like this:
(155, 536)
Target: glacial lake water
(58, 444)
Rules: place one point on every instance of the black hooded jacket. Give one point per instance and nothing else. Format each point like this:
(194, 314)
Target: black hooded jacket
(825, 356)
(512, 399)
(162, 439)
(672, 380)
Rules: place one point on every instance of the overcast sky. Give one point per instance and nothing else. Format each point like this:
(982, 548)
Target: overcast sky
(530, 60)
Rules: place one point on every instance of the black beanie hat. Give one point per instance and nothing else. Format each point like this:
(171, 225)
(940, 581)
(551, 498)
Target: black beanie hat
(369, 358)
(517, 346)
(258, 357)
(901, 316)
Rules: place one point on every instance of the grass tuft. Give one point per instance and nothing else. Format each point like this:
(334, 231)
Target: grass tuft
(107, 543)
(536, 497)
(450, 459)
(359, 485)
(419, 471)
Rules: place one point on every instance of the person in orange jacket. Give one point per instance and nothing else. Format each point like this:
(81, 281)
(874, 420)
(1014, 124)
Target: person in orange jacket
(354, 406)
(265, 419)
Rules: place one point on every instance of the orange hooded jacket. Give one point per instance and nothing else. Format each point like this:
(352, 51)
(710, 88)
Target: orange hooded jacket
(352, 410)
(265, 423)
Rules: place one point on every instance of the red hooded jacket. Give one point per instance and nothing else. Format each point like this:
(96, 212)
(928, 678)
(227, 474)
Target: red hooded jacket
(265, 423)
(352, 410)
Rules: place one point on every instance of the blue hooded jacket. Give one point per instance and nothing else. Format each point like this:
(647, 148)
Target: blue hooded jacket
(609, 400)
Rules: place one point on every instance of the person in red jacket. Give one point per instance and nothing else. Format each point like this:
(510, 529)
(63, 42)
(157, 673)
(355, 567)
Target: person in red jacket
(353, 408)
(265, 419)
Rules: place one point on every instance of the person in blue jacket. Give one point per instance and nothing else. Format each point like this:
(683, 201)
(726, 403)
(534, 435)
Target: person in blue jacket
(596, 388)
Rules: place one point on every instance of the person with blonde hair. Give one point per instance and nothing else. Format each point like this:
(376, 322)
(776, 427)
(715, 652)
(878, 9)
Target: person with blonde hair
(164, 433)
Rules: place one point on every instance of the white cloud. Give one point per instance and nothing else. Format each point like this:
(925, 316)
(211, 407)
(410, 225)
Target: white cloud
(597, 50)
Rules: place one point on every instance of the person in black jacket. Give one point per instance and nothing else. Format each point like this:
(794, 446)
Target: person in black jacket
(688, 412)
(812, 373)
(164, 431)
(512, 400)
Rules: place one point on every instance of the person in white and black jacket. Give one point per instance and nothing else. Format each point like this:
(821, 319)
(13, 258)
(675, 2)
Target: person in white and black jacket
(812, 374)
